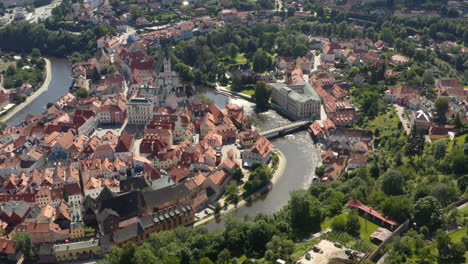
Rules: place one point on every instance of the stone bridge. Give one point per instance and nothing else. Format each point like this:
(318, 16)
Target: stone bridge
(283, 130)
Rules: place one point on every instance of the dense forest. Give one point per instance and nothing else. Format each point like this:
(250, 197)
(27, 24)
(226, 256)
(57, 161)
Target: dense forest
(22, 37)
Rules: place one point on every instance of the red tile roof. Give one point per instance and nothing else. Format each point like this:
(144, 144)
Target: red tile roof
(369, 210)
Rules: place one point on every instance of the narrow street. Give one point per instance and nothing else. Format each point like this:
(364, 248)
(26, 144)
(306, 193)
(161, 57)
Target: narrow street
(401, 115)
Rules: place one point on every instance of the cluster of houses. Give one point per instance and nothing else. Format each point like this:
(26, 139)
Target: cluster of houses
(423, 111)
(343, 149)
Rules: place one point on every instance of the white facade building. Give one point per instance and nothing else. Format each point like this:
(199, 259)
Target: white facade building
(140, 111)
(300, 100)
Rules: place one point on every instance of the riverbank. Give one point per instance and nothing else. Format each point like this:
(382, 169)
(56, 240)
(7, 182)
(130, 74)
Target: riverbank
(37, 93)
(278, 173)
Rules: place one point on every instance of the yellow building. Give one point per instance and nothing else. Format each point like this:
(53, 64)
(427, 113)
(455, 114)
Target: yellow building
(77, 230)
(76, 225)
(79, 250)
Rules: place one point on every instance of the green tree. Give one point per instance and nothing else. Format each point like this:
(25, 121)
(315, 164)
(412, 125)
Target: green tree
(185, 72)
(352, 224)
(35, 53)
(218, 208)
(339, 223)
(111, 69)
(135, 11)
(397, 208)
(387, 35)
(443, 245)
(236, 81)
(444, 193)
(319, 171)
(428, 77)
(457, 121)
(441, 106)
(320, 11)
(279, 248)
(427, 211)
(232, 50)
(11, 70)
(262, 95)
(238, 174)
(304, 211)
(3, 125)
(439, 148)
(96, 75)
(144, 254)
(224, 257)
(82, 93)
(231, 191)
(414, 143)
(393, 182)
(22, 242)
(261, 61)
(205, 260)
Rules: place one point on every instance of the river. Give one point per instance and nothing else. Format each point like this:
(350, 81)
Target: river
(302, 157)
(59, 85)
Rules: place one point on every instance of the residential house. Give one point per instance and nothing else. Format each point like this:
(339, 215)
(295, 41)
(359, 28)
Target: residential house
(421, 120)
(260, 151)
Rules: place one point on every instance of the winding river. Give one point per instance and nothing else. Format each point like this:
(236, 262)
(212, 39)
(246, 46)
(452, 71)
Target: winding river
(59, 85)
(301, 153)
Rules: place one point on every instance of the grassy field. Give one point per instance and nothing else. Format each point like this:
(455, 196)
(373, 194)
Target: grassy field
(367, 227)
(458, 235)
(302, 248)
(246, 92)
(459, 141)
(464, 211)
(387, 123)
(240, 59)
(4, 65)
(455, 237)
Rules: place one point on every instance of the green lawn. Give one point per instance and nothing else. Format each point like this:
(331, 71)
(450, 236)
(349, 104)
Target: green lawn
(228, 61)
(460, 141)
(4, 65)
(387, 123)
(458, 235)
(455, 237)
(246, 91)
(367, 227)
(464, 211)
(302, 248)
(241, 259)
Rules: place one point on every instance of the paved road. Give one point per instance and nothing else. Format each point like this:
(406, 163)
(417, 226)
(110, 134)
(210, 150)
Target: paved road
(44, 12)
(404, 120)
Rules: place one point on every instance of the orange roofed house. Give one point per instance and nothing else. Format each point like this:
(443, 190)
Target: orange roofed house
(259, 152)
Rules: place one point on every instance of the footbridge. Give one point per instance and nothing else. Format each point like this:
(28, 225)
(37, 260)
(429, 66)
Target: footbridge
(285, 129)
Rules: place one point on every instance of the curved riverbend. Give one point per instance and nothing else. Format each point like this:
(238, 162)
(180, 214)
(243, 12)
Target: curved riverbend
(231, 208)
(60, 81)
(302, 157)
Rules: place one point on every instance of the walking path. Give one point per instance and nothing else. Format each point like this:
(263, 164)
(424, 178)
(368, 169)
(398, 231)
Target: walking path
(401, 115)
(36, 94)
(274, 179)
